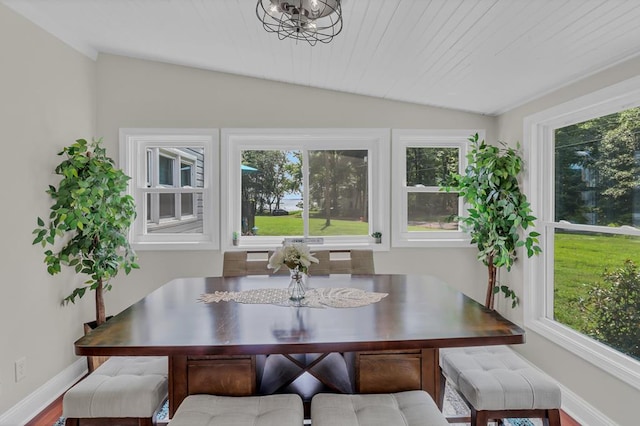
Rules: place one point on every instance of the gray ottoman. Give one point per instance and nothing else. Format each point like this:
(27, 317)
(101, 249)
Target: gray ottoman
(131, 388)
(212, 410)
(411, 408)
(497, 383)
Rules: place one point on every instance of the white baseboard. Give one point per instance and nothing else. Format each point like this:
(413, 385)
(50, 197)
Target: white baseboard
(40, 399)
(581, 411)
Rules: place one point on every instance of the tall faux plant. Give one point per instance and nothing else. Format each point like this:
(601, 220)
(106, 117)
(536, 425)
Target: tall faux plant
(89, 221)
(498, 211)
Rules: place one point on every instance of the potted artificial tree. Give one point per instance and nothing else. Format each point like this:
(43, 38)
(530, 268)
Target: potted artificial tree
(498, 212)
(88, 222)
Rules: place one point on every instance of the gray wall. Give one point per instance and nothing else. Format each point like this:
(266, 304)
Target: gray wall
(47, 100)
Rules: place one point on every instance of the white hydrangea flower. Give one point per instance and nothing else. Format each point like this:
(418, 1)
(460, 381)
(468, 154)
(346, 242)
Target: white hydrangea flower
(292, 255)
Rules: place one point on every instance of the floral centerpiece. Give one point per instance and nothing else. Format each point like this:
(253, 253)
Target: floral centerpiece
(297, 258)
(293, 256)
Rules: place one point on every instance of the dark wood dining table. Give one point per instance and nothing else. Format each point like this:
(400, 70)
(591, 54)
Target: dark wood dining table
(233, 348)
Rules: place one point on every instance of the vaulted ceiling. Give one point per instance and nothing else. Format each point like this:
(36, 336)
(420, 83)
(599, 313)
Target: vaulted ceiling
(485, 56)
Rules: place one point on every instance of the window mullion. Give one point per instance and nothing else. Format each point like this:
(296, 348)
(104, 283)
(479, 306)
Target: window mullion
(155, 182)
(305, 190)
(177, 197)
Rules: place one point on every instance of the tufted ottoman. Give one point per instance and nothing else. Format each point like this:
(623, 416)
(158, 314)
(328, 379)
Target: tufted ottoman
(409, 408)
(212, 410)
(123, 390)
(497, 383)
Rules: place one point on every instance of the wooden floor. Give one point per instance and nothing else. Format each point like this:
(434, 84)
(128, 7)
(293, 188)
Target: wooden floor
(53, 412)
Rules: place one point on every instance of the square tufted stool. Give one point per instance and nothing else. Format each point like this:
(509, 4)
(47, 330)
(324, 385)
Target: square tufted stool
(410, 408)
(213, 410)
(497, 383)
(123, 390)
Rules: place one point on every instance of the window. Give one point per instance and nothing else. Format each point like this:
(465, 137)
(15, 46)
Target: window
(174, 186)
(327, 186)
(423, 215)
(585, 188)
(174, 168)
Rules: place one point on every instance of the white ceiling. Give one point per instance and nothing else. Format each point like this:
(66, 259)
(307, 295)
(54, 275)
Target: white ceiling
(485, 56)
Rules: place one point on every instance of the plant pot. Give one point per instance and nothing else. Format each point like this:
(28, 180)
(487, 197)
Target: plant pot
(94, 362)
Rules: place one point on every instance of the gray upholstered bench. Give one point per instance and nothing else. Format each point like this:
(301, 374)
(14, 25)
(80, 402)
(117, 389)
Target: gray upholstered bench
(123, 390)
(497, 383)
(213, 410)
(411, 408)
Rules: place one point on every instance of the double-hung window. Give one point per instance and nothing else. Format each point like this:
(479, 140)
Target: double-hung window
(325, 186)
(585, 189)
(174, 185)
(422, 214)
(174, 168)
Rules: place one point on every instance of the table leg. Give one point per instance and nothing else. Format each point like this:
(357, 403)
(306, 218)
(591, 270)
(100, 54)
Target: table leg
(431, 372)
(178, 389)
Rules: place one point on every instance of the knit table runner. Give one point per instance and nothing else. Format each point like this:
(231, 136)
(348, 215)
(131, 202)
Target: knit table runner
(314, 298)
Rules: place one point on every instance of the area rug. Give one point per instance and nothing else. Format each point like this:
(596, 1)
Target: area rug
(454, 406)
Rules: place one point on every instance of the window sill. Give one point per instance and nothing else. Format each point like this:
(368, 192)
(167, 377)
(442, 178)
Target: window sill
(433, 242)
(270, 244)
(171, 246)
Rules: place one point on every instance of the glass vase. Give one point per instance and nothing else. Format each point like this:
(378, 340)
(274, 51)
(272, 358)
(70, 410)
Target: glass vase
(297, 287)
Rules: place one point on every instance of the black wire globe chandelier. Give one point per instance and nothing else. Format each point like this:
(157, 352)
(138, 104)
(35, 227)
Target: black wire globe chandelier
(309, 20)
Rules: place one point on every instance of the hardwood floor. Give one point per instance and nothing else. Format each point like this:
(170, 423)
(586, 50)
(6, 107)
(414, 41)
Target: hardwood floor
(53, 412)
(49, 416)
(565, 420)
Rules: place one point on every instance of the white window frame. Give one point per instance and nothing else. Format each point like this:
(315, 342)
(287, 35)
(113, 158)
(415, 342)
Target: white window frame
(377, 141)
(424, 138)
(133, 157)
(539, 183)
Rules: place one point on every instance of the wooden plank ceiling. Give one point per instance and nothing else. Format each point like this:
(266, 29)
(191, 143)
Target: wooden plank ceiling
(485, 56)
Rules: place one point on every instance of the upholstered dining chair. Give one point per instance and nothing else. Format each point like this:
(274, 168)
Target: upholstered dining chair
(242, 263)
(359, 262)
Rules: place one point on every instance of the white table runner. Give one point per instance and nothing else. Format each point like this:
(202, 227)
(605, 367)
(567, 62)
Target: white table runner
(314, 298)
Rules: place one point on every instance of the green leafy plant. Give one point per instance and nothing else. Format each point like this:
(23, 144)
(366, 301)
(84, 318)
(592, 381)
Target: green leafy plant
(498, 211)
(89, 221)
(614, 307)
(376, 234)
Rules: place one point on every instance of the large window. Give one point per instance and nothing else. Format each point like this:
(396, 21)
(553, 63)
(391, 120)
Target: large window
(327, 186)
(585, 186)
(423, 215)
(174, 186)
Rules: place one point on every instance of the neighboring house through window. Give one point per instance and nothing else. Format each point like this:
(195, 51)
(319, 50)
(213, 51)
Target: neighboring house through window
(174, 168)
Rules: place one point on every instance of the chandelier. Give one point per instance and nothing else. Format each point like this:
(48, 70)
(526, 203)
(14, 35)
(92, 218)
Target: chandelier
(309, 20)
